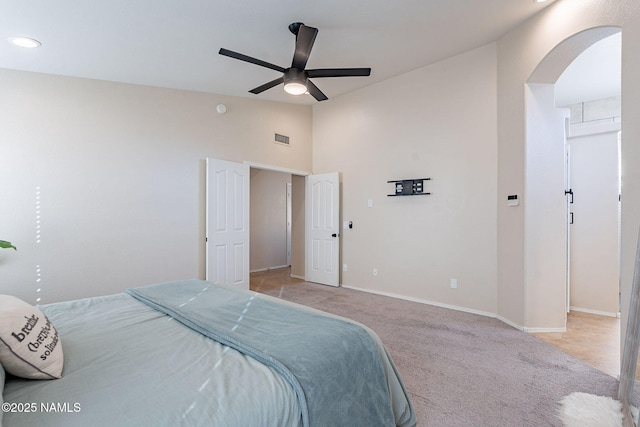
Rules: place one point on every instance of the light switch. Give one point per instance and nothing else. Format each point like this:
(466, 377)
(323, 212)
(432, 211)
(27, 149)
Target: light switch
(369, 203)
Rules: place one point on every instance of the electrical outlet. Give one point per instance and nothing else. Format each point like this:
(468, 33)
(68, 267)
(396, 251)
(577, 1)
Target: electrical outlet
(454, 283)
(375, 271)
(344, 267)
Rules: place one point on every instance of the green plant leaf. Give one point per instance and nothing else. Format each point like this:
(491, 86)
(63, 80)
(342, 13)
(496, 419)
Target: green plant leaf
(5, 244)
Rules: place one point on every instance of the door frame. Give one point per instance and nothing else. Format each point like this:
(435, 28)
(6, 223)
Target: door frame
(297, 172)
(289, 189)
(280, 170)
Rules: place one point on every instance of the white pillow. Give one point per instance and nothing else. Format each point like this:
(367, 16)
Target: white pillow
(29, 344)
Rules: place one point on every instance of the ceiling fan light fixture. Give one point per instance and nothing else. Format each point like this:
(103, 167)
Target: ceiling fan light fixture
(295, 88)
(295, 81)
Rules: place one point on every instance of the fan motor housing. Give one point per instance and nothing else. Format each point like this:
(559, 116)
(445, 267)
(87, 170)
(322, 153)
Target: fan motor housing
(295, 75)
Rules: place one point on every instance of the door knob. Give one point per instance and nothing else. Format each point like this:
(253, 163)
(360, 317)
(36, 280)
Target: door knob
(334, 235)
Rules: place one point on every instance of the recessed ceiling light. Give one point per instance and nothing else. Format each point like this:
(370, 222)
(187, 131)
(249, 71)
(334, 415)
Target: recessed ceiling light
(25, 42)
(539, 1)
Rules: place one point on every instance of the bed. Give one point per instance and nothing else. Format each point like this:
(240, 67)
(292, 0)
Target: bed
(191, 353)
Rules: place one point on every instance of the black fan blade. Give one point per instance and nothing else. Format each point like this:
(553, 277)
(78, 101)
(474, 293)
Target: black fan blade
(315, 92)
(340, 72)
(304, 42)
(246, 58)
(266, 86)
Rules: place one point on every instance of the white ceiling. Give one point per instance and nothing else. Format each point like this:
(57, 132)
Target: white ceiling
(174, 44)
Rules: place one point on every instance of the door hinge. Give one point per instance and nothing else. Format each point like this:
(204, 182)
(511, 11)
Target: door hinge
(570, 192)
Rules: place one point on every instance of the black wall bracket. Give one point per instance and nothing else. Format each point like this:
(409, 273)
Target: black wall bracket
(409, 187)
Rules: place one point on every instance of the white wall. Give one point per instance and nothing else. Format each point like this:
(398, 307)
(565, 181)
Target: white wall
(268, 219)
(115, 173)
(120, 171)
(440, 122)
(630, 153)
(544, 206)
(396, 129)
(519, 54)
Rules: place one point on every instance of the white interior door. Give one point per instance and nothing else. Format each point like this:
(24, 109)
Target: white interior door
(594, 232)
(568, 192)
(227, 223)
(323, 228)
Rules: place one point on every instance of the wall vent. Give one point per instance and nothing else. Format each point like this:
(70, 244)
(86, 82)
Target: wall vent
(281, 139)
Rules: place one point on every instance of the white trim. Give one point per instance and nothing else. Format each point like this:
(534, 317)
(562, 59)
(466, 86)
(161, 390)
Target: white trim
(295, 276)
(510, 323)
(269, 268)
(276, 168)
(422, 301)
(289, 224)
(458, 308)
(599, 313)
(543, 330)
(593, 128)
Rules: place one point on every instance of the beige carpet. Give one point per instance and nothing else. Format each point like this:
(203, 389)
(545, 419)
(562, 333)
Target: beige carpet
(462, 369)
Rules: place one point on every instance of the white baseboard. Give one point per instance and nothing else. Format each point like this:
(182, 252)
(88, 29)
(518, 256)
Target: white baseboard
(422, 301)
(295, 276)
(458, 308)
(530, 330)
(599, 313)
(268, 268)
(510, 323)
(534, 330)
(543, 330)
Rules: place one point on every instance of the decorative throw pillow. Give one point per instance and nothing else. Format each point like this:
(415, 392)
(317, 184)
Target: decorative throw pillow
(29, 344)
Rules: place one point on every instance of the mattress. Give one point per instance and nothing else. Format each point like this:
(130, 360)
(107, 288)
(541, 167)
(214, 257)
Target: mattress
(122, 368)
(191, 353)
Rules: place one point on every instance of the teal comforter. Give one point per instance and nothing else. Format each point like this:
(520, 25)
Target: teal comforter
(339, 370)
(130, 365)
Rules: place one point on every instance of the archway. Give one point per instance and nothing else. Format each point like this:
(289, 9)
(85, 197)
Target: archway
(545, 224)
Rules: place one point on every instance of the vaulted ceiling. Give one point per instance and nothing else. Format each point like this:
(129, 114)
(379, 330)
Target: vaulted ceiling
(174, 44)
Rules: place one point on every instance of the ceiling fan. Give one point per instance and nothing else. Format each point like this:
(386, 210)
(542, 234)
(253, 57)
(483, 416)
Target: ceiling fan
(296, 78)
